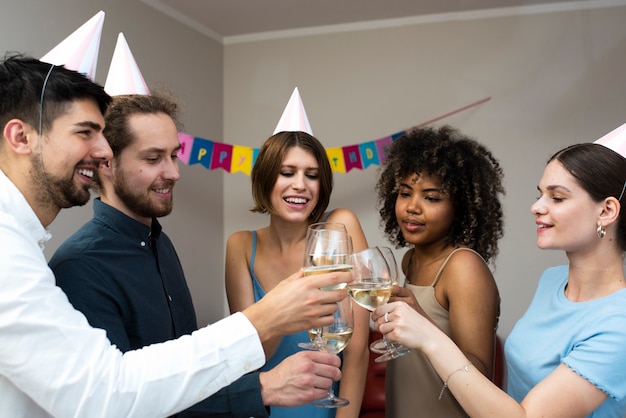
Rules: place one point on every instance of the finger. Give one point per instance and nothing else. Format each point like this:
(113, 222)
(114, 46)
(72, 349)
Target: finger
(330, 280)
(321, 358)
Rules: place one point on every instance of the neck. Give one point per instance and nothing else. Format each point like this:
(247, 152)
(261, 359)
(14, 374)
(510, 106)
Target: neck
(284, 233)
(45, 211)
(595, 277)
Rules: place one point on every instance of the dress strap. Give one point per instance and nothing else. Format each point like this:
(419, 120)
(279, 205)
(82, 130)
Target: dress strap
(445, 262)
(253, 252)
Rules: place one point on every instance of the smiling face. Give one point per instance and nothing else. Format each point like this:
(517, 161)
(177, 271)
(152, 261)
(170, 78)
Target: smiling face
(295, 193)
(565, 214)
(424, 213)
(142, 177)
(68, 156)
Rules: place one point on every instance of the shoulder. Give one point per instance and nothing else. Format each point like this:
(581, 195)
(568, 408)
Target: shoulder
(239, 241)
(467, 268)
(74, 248)
(340, 213)
(344, 216)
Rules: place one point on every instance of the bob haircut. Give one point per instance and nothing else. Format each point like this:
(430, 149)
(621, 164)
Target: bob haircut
(268, 164)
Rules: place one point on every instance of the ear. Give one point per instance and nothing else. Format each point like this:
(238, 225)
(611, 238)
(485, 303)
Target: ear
(19, 136)
(609, 211)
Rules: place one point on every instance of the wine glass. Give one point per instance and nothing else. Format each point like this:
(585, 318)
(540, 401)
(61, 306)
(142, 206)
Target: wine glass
(371, 279)
(327, 248)
(389, 350)
(335, 337)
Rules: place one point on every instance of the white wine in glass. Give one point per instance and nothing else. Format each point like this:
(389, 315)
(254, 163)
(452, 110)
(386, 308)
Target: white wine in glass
(327, 249)
(335, 337)
(389, 350)
(371, 280)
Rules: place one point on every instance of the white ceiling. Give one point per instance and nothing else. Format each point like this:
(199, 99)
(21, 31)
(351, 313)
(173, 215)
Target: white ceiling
(224, 19)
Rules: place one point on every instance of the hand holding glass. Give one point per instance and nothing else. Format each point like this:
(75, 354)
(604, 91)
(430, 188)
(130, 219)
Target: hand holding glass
(389, 350)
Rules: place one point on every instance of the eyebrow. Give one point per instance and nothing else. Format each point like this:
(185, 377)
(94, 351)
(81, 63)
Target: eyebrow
(88, 124)
(554, 187)
(432, 189)
(159, 150)
(295, 167)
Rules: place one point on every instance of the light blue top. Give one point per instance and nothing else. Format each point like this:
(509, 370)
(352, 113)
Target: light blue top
(288, 346)
(589, 337)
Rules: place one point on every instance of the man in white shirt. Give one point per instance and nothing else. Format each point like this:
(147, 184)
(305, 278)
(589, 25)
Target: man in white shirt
(52, 363)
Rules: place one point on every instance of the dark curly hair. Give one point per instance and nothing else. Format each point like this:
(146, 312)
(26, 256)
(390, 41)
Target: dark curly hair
(469, 174)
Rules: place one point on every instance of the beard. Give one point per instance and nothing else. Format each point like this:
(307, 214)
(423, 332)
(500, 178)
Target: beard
(57, 192)
(140, 203)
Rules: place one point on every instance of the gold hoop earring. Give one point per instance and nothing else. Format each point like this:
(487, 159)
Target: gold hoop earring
(601, 231)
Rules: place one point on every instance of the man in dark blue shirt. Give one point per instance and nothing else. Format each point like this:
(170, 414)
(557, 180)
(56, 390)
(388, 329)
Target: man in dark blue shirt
(123, 272)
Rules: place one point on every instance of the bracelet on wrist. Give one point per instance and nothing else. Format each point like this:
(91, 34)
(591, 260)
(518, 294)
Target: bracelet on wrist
(464, 368)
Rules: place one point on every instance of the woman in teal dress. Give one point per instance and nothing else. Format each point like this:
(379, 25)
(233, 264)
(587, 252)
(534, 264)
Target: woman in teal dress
(292, 182)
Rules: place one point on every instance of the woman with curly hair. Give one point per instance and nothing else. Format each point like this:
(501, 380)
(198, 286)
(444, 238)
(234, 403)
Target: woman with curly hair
(438, 193)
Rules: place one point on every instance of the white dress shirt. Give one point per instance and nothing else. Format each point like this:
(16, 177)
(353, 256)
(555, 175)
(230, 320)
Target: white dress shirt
(52, 363)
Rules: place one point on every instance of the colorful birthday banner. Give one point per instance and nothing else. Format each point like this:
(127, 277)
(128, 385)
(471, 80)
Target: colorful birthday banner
(240, 159)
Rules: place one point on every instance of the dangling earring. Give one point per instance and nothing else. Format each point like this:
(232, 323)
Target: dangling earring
(601, 231)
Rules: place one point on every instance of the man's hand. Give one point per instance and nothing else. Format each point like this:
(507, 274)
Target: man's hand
(297, 304)
(300, 379)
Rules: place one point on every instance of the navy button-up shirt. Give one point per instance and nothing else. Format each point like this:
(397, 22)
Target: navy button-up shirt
(127, 279)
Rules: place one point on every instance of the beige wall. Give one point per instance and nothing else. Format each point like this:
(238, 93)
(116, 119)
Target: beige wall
(554, 79)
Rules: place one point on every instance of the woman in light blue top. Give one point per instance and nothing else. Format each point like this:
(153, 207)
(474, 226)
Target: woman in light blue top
(566, 356)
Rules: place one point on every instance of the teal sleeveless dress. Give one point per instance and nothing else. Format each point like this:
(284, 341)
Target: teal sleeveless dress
(288, 346)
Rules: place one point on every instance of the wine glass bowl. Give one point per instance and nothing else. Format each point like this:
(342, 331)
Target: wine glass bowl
(371, 280)
(327, 249)
(389, 350)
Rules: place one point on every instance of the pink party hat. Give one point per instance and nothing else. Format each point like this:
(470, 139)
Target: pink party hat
(124, 76)
(615, 140)
(79, 51)
(294, 116)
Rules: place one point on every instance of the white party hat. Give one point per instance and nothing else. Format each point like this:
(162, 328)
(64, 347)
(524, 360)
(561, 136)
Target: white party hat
(615, 140)
(294, 116)
(79, 51)
(124, 76)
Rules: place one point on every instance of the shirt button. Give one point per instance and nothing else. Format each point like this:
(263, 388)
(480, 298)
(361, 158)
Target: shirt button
(143, 243)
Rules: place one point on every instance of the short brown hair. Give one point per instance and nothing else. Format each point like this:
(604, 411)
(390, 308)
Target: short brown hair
(118, 132)
(267, 168)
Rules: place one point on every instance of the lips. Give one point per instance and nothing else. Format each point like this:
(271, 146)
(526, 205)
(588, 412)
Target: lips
(543, 226)
(296, 200)
(412, 225)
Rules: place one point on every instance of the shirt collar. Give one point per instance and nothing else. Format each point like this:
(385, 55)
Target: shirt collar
(13, 201)
(124, 224)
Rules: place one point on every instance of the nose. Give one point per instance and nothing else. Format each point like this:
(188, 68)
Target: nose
(413, 206)
(171, 171)
(101, 149)
(538, 208)
(298, 181)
